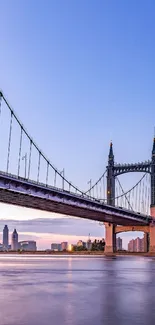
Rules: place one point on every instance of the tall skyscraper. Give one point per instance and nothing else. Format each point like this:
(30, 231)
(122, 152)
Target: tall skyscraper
(5, 237)
(132, 245)
(14, 244)
(119, 243)
(89, 244)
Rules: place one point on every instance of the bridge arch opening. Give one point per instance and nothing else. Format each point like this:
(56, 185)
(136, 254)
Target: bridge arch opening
(132, 241)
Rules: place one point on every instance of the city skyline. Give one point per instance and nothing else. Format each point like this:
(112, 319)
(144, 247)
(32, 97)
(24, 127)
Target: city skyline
(44, 238)
(12, 240)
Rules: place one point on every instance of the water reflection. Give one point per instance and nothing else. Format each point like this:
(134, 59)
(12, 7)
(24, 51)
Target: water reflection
(75, 291)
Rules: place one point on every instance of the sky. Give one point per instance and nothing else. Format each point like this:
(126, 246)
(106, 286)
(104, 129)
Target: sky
(79, 74)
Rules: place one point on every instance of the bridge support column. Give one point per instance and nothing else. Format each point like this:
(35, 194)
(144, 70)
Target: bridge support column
(110, 238)
(152, 231)
(146, 242)
(152, 239)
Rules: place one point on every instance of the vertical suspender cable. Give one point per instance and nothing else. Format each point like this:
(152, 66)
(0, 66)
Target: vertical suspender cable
(139, 197)
(116, 196)
(100, 191)
(143, 210)
(145, 195)
(47, 173)
(103, 192)
(149, 194)
(136, 198)
(129, 203)
(119, 194)
(55, 178)
(121, 201)
(63, 183)
(93, 192)
(133, 202)
(20, 150)
(97, 190)
(30, 159)
(38, 167)
(9, 144)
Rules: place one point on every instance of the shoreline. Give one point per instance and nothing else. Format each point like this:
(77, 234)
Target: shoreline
(95, 253)
(52, 253)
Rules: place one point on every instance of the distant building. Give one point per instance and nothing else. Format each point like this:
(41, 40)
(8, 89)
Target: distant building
(55, 247)
(131, 246)
(139, 244)
(14, 244)
(79, 243)
(84, 244)
(64, 246)
(119, 244)
(1, 247)
(29, 245)
(5, 237)
(70, 247)
(136, 245)
(89, 245)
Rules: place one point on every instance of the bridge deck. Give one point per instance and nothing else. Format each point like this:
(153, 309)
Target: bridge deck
(21, 192)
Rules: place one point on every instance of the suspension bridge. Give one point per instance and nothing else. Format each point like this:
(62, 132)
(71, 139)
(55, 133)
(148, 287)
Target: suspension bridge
(29, 179)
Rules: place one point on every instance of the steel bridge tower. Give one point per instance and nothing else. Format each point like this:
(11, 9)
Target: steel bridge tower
(110, 178)
(114, 170)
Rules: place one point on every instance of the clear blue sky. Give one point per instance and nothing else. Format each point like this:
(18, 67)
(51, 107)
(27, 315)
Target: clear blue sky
(79, 74)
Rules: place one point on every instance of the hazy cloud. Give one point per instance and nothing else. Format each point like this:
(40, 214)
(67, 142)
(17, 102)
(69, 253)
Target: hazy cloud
(65, 226)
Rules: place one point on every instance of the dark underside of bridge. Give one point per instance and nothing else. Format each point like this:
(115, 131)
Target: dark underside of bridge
(35, 202)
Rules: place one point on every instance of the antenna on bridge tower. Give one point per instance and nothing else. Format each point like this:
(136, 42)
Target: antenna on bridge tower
(111, 155)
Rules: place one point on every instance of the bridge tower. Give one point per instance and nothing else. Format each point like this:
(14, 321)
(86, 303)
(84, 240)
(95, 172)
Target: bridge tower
(114, 170)
(110, 236)
(110, 178)
(152, 207)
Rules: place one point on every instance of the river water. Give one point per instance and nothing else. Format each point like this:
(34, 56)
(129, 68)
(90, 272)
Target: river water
(44, 290)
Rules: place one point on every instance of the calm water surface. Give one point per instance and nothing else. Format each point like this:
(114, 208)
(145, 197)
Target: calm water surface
(77, 291)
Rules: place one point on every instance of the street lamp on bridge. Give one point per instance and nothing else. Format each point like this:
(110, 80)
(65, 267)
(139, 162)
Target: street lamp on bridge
(25, 158)
(90, 187)
(63, 176)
